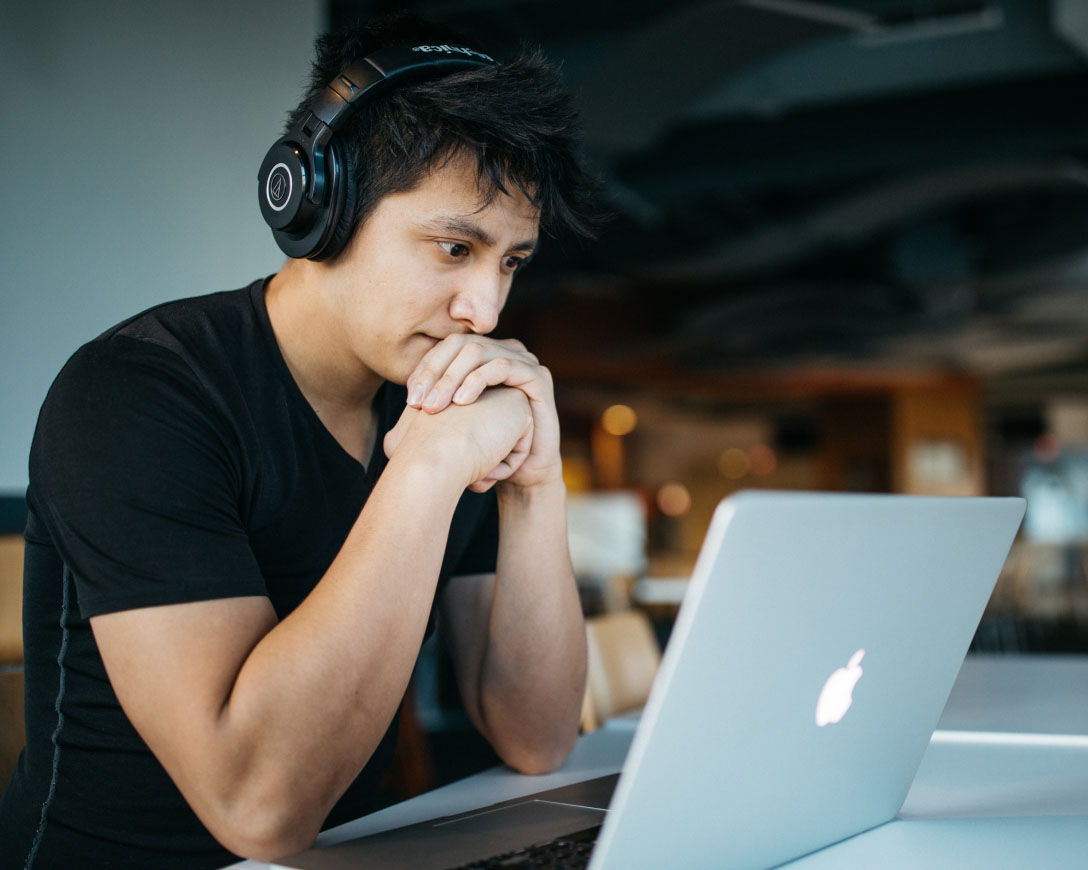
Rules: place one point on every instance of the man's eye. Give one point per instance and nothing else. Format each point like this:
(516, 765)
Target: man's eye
(454, 249)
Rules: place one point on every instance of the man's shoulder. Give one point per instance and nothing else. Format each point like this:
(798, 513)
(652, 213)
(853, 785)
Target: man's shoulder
(185, 344)
(195, 333)
(191, 320)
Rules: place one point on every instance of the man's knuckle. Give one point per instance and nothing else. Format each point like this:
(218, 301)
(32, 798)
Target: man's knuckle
(471, 353)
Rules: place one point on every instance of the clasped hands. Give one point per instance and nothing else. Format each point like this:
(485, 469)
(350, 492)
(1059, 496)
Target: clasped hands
(497, 397)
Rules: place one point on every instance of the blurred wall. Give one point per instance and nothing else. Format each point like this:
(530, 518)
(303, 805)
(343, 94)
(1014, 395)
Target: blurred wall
(132, 134)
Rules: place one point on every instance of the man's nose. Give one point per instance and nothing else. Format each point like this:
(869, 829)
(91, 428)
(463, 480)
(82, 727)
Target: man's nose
(479, 300)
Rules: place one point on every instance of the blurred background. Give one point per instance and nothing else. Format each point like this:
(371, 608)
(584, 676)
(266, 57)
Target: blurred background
(849, 249)
(849, 252)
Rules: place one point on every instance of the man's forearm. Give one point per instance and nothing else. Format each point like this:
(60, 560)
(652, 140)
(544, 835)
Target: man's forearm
(532, 675)
(320, 689)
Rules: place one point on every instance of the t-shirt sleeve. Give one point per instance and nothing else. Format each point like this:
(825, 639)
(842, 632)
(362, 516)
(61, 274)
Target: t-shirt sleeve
(133, 471)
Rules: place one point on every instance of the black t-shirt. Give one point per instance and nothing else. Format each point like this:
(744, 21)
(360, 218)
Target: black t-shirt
(175, 460)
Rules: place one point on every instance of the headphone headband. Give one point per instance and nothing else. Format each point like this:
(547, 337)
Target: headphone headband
(389, 67)
(302, 183)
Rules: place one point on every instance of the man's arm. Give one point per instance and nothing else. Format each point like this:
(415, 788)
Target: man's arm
(518, 642)
(263, 725)
(518, 639)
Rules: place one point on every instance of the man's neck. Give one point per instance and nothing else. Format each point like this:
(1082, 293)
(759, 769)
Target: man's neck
(318, 354)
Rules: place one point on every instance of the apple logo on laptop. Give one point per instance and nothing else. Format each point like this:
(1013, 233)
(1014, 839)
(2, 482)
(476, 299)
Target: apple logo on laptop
(838, 692)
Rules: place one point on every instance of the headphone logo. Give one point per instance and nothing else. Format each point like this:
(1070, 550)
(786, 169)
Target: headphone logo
(277, 189)
(454, 49)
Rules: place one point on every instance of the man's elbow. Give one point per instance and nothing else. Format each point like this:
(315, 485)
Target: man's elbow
(538, 758)
(264, 833)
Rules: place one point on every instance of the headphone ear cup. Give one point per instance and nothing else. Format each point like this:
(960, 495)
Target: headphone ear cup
(342, 215)
(281, 188)
(302, 220)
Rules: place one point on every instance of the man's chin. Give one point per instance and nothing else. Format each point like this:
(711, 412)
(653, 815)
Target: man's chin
(416, 348)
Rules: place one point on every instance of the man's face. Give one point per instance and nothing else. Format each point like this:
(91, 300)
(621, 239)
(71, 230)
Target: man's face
(427, 263)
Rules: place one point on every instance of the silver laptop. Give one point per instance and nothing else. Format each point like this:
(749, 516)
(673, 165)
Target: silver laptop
(815, 648)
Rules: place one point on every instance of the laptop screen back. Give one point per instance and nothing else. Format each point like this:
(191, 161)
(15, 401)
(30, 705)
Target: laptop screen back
(742, 756)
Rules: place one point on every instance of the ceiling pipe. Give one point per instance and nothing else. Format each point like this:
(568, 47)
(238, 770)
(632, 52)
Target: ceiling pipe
(865, 215)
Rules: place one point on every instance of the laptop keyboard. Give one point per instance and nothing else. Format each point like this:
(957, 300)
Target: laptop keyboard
(569, 852)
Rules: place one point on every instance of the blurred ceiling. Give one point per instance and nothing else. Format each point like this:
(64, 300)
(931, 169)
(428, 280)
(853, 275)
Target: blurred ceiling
(851, 183)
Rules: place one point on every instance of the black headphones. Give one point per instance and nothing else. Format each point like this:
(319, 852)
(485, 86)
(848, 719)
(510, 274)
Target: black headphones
(303, 184)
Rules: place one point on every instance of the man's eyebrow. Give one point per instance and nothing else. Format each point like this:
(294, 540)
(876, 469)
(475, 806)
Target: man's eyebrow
(464, 226)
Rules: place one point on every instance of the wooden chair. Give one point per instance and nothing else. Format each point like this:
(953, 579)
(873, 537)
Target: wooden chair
(623, 658)
(11, 598)
(12, 728)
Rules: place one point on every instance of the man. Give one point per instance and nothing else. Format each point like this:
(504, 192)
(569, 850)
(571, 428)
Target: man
(241, 521)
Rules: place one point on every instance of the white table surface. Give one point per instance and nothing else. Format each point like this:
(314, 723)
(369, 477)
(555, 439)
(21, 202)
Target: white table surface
(1004, 783)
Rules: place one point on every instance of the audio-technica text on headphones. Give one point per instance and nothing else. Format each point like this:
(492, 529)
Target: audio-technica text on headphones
(302, 184)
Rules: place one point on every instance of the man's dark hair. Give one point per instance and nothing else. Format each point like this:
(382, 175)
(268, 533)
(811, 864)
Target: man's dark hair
(515, 120)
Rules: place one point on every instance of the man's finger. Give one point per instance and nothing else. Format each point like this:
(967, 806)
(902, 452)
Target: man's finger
(444, 368)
